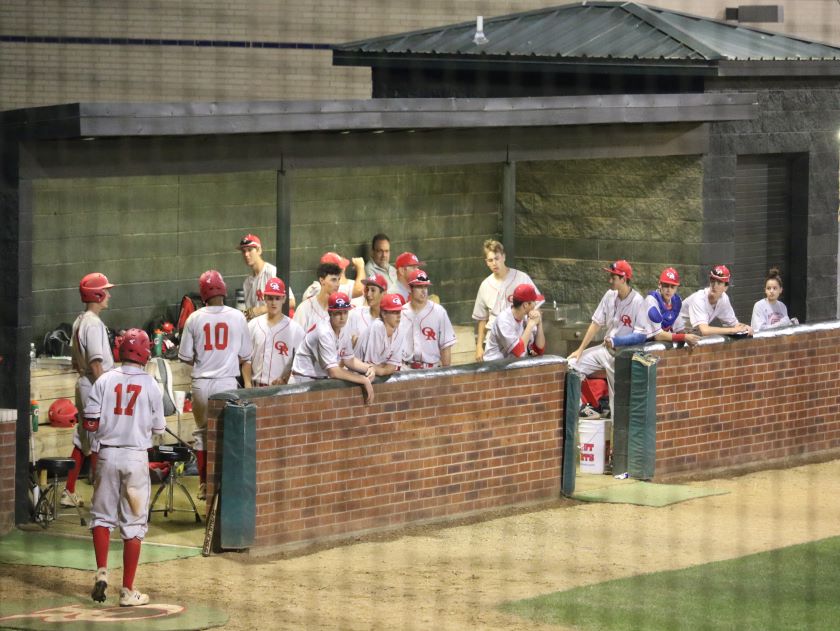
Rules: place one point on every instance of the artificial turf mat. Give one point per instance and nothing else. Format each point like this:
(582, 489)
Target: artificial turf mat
(789, 589)
(42, 548)
(645, 493)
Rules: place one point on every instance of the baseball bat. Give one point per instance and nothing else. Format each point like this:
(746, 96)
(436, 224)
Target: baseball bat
(210, 528)
(178, 438)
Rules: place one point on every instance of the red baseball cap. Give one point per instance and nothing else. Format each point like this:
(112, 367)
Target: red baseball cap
(620, 268)
(339, 301)
(669, 276)
(274, 287)
(527, 293)
(406, 259)
(249, 241)
(720, 272)
(391, 302)
(419, 278)
(336, 259)
(376, 279)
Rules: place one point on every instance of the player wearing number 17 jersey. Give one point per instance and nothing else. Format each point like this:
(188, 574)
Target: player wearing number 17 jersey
(216, 343)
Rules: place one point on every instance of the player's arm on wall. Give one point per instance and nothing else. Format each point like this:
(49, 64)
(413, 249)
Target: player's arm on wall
(591, 332)
(480, 335)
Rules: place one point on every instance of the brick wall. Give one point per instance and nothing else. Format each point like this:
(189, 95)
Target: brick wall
(43, 74)
(431, 447)
(7, 474)
(575, 215)
(748, 402)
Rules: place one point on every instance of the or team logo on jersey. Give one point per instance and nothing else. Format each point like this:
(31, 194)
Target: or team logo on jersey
(281, 348)
(626, 321)
(429, 332)
(259, 294)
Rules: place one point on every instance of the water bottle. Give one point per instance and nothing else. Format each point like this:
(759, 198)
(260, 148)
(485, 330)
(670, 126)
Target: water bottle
(33, 414)
(240, 300)
(158, 351)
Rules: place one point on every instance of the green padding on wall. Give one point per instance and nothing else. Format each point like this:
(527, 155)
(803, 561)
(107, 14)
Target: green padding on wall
(641, 446)
(570, 420)
(621, 412)
(238, 504)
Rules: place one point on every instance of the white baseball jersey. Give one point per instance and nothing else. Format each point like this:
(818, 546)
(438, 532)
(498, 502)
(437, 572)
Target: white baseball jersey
(767, 315)
(622, 317)
(321, 350)
(215, 339)
(427, 333)
(505, 337)
(310, 313)
(697, 310)
(315, 287)
(274, 347)
(494, 296)
(254, 285)
(89, 342)
(375, 347)
(358, 322)
(390, 274)
(127, 403)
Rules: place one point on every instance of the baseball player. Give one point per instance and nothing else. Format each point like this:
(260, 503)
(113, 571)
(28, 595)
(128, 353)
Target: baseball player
(251, 248)
(124, 410)
(362, 316)
(622, 312)
(518, 330)
(495, 292)
(380, 254)
(274, 338)
(382, 343)
(664, 306)
(314, 309)
(352, 288)
(92, 357)
(326, 351)
(771, 312)
(429, 336)
(406, 263)
(704, 306)
(215, 343)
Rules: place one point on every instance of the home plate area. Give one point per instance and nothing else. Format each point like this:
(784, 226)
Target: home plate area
(72, 615)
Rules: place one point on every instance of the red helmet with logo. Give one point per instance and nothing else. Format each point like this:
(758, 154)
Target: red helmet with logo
(275, 287)
(721, 273)
(211, 284)
(63, 413)
(135, 347)
(92, 287)
(339, 301)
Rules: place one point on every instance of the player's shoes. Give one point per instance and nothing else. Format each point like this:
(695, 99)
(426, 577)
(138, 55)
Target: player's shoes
(202, 491)
(587, 411)
(101, 584)
(70, 500)
(132, 598)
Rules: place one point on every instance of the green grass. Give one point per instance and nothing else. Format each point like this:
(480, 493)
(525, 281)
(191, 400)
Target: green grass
(791, 588)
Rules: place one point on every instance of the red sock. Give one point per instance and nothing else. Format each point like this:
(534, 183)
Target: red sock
(201, 464)
(131, 557)
(73, 475)
(101, 541)
(94, 458)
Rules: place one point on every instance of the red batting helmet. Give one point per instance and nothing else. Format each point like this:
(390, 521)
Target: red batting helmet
(63, 413)
(92, 287)
(274, 287)
(339, 301)
(391, 302)
(211, 284)
(669, 276)
(620, 268)
(135, 347)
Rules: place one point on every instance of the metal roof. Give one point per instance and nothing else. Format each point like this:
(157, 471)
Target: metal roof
(617, 31)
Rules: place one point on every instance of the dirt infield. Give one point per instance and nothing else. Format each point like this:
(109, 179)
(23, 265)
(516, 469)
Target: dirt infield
(454, 577)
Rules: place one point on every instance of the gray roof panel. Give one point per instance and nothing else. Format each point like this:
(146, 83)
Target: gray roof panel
(600, 30)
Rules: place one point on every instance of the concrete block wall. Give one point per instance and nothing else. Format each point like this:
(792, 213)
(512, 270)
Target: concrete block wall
(430, 447)
(574, 216)
(41, 72)
(443, 214)
(747, 402)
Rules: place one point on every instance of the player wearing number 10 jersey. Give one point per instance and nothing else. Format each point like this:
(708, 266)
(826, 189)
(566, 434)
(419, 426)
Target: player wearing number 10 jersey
(216, 343)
